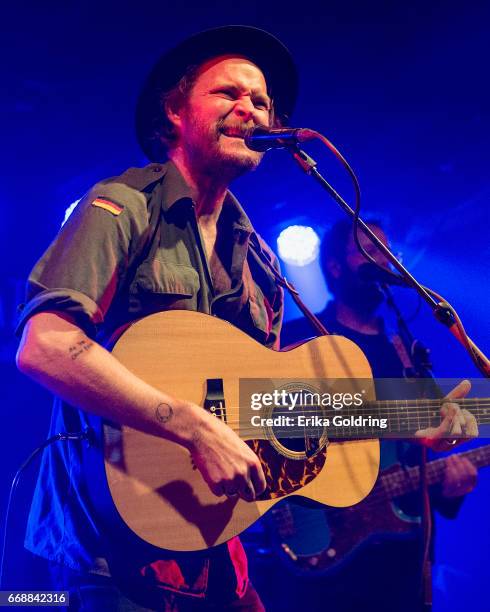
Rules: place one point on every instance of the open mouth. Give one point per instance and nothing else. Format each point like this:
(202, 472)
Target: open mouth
(234, 134)
(234, 131)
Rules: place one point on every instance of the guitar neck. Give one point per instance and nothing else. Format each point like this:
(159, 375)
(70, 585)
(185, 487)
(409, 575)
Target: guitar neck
(406, 416)
(407, 480)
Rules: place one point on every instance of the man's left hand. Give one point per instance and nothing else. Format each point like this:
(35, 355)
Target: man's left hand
(459, 478)
(457, 426)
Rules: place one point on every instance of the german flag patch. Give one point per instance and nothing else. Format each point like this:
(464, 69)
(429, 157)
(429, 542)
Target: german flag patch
(106, 204)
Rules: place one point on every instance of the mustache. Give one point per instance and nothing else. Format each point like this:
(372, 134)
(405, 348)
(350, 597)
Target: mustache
(234, 128)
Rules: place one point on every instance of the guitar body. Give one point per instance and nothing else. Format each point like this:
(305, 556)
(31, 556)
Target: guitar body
(156, 489)
(316, 541)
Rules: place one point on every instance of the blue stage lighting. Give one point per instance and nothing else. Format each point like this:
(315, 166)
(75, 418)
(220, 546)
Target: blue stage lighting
(298, 245)
(69, 210)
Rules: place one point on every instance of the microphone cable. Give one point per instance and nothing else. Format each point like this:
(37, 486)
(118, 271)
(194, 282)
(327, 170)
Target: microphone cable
(444, 312)
(357, 204)
(59, 437)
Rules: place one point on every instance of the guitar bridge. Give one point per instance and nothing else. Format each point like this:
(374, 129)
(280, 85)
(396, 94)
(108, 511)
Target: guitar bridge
(214, 402)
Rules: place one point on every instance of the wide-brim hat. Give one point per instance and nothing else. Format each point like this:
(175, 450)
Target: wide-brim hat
(262, 48)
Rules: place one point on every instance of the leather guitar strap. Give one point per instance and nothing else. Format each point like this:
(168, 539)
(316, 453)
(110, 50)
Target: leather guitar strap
(281, 281)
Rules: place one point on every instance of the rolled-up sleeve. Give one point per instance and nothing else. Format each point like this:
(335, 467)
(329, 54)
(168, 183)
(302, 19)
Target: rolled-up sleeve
(88, 261)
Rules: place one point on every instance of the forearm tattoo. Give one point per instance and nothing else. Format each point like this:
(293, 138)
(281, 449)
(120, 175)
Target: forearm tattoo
(164, 413)
(80, 347)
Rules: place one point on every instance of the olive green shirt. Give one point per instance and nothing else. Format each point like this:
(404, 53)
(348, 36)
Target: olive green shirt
(145, 254)
(132, 247)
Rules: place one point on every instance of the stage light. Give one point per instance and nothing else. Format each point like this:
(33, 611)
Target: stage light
(69, 210)
(298, 245)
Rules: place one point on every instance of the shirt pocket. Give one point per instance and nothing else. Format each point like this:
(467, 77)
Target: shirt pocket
(163, 285)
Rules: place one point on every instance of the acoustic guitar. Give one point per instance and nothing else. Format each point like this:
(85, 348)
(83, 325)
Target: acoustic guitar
(151, 484)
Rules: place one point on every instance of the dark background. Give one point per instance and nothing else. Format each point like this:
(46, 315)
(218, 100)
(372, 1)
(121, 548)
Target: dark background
(402, 90)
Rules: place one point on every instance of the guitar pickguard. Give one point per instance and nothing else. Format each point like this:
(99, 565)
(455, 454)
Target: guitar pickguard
(284, 475)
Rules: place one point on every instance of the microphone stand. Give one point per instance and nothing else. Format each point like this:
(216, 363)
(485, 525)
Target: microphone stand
(418, 352)
(441, 310)
(422, 368)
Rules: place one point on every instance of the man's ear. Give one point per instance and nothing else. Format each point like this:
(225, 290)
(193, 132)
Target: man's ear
(173, 114)
(333, 267)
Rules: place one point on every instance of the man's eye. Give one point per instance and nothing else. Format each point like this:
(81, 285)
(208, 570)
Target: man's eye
(227, 93)
(262, 105)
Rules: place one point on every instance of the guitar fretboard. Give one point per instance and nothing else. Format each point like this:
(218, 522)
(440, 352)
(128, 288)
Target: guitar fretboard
(402, 417)
(406, 480)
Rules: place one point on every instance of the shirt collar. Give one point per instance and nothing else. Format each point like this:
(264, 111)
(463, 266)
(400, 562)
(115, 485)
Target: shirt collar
(238, 216)
(175, 189)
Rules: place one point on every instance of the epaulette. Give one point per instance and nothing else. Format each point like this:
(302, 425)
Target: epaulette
(141, 178)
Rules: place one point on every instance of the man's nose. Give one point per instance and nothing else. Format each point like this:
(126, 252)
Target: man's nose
(244, 108)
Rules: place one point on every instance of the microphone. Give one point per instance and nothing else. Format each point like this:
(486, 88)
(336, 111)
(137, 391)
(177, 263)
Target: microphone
(262, 138)
(370, 273)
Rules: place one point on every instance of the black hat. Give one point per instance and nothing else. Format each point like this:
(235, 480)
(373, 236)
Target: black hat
(262, 48)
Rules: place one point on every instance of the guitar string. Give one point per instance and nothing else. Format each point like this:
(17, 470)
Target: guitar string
(343, 433)
(359, 410)
(311, 409)
(323, 414)
(393, 417)
(409, 403)
(480, 406)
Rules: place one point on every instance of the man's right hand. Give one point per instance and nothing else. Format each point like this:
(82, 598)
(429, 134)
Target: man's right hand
(55, 352)
(226, 463)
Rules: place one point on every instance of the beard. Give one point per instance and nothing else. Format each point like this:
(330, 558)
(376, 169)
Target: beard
(214, 153)
(363, 296)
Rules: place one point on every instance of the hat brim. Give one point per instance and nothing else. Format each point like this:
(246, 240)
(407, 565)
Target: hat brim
(262, 48)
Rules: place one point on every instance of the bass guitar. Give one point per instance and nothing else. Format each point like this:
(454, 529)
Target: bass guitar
(317, 541)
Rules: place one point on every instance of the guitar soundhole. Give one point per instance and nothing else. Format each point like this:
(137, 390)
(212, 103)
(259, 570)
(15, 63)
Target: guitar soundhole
(298, 431)
(293, 454)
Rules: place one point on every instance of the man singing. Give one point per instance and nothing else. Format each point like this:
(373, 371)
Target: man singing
(167, 236)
